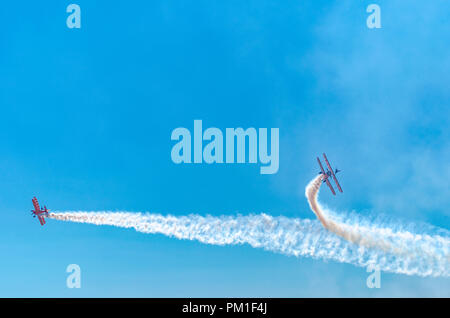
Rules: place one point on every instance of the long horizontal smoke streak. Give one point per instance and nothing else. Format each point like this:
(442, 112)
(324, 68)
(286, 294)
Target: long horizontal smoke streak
(397, 251)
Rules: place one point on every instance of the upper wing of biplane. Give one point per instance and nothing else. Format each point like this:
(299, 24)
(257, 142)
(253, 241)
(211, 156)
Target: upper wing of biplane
(36, 204)
(332, 172)
(41, 214)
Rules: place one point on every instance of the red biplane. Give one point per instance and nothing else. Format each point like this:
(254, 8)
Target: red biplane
(38, 211)
(329, 173)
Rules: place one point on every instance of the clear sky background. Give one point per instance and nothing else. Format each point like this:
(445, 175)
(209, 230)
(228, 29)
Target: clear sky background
(86, 119)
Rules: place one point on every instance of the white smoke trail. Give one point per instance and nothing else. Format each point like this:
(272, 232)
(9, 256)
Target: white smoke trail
(369, 237)
(427, 254)
(356, 242)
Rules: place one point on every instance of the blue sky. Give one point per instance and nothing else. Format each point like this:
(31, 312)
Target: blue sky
(87, 116)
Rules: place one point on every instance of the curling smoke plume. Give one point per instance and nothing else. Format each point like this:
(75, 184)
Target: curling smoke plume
(352, 240)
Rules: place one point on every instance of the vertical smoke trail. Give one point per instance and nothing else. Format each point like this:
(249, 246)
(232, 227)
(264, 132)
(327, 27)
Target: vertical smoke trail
(404, 245)
(353, 241)
(349, 233)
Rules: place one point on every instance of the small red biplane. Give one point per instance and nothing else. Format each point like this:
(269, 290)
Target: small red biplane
(329, 173)
(38, 211)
